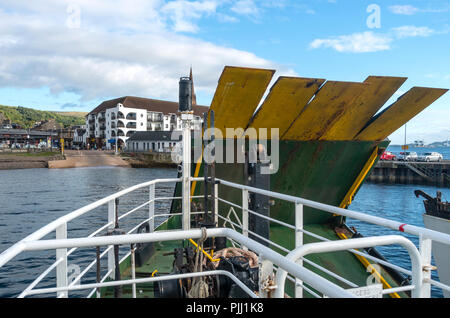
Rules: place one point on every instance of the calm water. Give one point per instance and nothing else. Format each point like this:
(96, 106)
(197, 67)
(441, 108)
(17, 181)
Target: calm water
(32, 198)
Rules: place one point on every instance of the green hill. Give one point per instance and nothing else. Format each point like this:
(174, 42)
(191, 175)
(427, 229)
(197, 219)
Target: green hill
(26, 117)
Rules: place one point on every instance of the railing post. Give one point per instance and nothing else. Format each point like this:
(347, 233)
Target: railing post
(423, 288)
(61, 268)
(151, 208)
(245, 214)
(133, 270)
(216, 203)
(186, 172)
(298, 243)
(266, 279)
(112, 220)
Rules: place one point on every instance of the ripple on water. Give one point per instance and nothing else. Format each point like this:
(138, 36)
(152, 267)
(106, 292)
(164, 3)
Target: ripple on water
(31, 198)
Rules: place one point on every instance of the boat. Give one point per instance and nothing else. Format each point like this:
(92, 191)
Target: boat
(258, 213)
(437, 218)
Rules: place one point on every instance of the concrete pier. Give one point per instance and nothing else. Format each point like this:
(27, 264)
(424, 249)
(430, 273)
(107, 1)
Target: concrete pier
(429, 173)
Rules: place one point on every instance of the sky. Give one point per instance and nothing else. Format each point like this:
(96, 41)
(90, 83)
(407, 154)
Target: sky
(70, 55)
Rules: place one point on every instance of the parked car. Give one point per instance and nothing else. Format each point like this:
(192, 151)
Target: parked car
(387, 155)
(408, 156)
(431, 156)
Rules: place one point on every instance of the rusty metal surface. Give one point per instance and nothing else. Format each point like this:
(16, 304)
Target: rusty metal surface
(374, 96)
(405, 108)
(238, 94)
(287, 98)
(331, 103)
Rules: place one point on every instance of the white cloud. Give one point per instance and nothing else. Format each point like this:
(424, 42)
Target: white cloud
(246, 7)
(355, 43)
(182, 13)
(133, 51)
(412, 31)
(370, 41)
(410, 10)
(403, 9)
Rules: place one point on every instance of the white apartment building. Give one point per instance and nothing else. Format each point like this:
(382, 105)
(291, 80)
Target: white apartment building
(120, 118)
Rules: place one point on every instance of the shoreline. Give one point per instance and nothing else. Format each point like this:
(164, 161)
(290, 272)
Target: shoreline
(81, 159)
(12, 161)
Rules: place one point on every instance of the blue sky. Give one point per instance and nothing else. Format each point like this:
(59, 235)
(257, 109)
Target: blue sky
(71, 55)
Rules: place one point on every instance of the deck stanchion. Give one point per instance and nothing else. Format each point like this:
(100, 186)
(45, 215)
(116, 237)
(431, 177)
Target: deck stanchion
(133, 270)
(298, 243)
(111, 221)
(216, 203)
(98, 274)
(245, 214)
(61, 268)
(425, 258)
(151, 208)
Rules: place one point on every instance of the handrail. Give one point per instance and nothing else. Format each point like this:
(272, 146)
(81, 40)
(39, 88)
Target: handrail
(304, 274)
(394, 225)
(334, 246)
(34, 242)
(17, 248)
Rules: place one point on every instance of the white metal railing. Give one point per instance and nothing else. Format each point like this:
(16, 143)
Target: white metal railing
(301, 276)
(425, 236)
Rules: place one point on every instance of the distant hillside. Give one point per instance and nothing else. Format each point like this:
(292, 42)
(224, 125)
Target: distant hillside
(26, 117)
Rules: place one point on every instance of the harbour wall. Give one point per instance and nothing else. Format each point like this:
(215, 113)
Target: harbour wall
(24, 160)
(149, 160)
(427, 173)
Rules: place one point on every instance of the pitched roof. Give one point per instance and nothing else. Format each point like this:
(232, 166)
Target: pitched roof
(153, 136)
(155, 105)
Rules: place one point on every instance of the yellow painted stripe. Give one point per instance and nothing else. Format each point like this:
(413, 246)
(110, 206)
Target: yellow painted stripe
(399, 113)
(373, 271)
(287, 98)
(204, 252)
(365, 170)
(329, 104)
(238, 95)
(374, 96)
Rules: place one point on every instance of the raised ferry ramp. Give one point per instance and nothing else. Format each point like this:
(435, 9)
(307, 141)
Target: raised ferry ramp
(87, 158)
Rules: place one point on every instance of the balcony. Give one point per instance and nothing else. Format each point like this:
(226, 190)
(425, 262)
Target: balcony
(120, 124)
(131, 116)
(131, 125)
(154, 117)
(120, 115)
